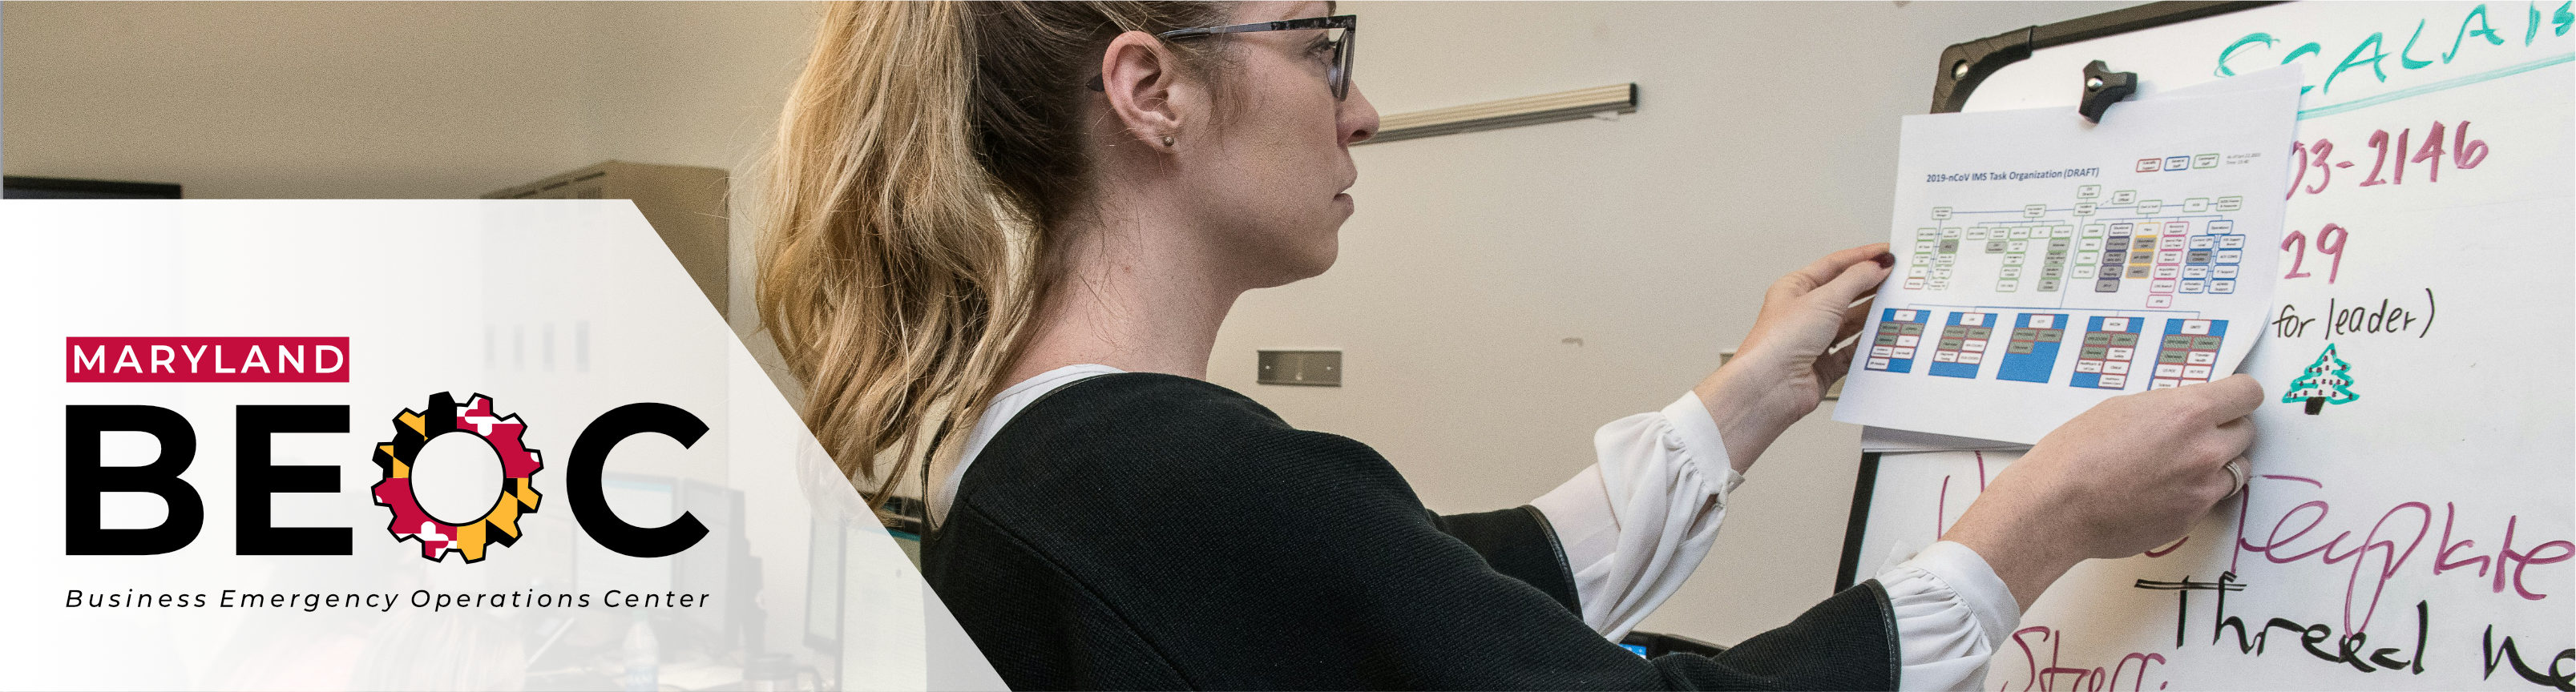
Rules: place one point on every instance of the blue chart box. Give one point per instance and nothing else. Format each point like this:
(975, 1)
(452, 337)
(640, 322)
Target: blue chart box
(2188, 353)
(1963, 344)
(1900, 333)
(2109, 350)
(2033, 351)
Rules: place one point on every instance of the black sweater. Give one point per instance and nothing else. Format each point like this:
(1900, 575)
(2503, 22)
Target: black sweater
(1139, 530)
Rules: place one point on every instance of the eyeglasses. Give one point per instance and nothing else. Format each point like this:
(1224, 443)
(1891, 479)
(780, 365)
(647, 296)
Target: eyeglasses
(1339, 32)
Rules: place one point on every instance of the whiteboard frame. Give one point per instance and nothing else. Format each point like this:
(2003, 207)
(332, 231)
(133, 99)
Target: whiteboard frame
(1962, 67)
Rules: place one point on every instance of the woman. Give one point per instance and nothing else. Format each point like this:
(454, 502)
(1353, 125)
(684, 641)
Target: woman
(1002, 238)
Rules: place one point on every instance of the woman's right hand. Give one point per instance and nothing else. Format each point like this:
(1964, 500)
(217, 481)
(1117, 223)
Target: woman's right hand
(2128, 475)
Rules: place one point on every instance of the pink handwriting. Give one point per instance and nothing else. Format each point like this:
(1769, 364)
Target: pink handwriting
(2383, 542)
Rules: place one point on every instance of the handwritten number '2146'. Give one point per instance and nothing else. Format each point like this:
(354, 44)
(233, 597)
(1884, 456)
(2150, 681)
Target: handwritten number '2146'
(2464, 154)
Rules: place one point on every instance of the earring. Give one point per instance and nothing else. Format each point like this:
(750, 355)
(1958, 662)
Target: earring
(1167, 141)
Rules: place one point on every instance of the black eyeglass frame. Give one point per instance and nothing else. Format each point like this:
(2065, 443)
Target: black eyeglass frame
(1339, 74)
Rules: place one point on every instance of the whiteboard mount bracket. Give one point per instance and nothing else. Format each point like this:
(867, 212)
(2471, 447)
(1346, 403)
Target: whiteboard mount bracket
(2102, 87)
(1965, 65)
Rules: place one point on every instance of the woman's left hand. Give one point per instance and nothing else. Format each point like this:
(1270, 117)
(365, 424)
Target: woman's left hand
(1780, 373)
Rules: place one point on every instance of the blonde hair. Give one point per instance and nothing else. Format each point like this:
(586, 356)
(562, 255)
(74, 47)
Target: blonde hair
(924, 153)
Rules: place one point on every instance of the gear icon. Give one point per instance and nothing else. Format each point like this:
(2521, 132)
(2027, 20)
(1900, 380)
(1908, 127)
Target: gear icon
(412, 432)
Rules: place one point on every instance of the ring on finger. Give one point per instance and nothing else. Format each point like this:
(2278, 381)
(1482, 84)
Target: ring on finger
(2236, 473)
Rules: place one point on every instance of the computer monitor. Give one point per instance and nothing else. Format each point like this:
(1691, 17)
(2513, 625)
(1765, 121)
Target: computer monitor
(719, 563)
(640, 500)
(823, 585)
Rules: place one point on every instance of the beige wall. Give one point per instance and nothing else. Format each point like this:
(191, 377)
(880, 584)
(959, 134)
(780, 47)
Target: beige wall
(1766, 137)
(384, 99)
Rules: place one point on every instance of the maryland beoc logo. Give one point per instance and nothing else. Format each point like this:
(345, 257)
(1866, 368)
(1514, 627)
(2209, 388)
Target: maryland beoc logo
(412, 432)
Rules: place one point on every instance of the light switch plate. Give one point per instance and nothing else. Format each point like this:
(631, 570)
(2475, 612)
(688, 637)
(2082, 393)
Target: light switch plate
(1307, 368)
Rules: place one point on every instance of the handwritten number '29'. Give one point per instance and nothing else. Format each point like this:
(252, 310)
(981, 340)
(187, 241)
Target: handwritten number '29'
(2329, 242)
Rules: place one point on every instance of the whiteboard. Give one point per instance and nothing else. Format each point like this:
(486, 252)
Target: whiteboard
(2401, 534)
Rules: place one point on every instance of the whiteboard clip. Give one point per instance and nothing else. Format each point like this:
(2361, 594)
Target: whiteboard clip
(2102, 87)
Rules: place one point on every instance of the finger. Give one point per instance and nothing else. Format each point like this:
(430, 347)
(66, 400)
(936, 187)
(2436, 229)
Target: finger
(2231, 398)
(1855, 281)
(2208, 449)
(2239, 472)
(1854, 318)
(2235, 436)
(1829, 267)
(1858, 314)
(1834, 365)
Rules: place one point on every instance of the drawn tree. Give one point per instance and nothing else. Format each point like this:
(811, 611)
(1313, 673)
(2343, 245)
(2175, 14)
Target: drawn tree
(2329, 380)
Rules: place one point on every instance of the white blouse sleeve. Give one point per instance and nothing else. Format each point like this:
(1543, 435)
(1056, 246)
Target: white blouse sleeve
(1634, 525)
(1637, 523)
(1952, 613)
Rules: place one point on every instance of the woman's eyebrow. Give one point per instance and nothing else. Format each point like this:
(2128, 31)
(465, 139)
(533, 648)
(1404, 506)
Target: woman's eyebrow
(1328, 11)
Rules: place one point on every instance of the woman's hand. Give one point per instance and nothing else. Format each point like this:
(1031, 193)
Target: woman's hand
(1783, 368)
(2128, 475)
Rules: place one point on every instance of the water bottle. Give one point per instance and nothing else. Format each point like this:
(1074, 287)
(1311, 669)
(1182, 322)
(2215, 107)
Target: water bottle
(643, 657)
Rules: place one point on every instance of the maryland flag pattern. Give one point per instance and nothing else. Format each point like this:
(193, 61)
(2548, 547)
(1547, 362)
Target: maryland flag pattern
(413, 431)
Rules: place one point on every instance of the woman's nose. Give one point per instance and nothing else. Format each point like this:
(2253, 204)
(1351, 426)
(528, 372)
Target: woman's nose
(1358, 117)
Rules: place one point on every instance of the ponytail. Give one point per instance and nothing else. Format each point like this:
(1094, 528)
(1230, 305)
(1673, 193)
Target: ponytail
(922, 156)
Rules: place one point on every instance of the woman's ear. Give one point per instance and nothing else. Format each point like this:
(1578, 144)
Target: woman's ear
(1142, 79)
